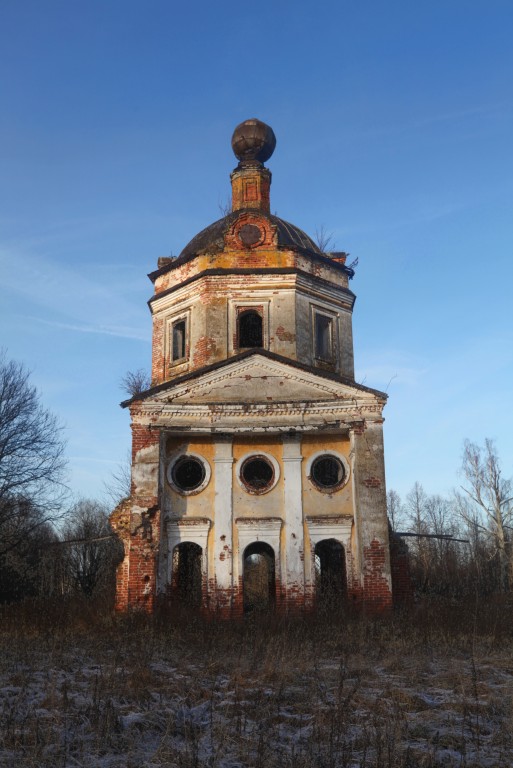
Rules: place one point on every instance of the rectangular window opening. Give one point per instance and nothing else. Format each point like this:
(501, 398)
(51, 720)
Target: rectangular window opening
(323, 337)
(178, 341)
(250, 329)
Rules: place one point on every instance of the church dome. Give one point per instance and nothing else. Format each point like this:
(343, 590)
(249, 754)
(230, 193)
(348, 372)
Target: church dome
(253, 143)
(211, 239)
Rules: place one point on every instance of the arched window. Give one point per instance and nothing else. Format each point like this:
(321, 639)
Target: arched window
(330, 573)
(250, 329)
(259, 586)
(186, 579)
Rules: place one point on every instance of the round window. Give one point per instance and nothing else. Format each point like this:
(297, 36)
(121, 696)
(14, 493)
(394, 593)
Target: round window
(188, 473)
(250, 235)
(328, 473)
(257, 474)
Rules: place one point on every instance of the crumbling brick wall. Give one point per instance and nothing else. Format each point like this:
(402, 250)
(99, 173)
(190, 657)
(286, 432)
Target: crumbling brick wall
(137, 523)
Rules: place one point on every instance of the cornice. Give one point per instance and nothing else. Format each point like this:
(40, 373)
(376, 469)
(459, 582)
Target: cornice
(279, 417)
(324, 285)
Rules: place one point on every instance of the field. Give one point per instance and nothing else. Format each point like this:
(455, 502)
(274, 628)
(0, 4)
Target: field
(80, 687)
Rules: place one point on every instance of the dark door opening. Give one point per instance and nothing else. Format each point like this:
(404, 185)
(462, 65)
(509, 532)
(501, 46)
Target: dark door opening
(186, 581)
(259, 577)
(330, 573)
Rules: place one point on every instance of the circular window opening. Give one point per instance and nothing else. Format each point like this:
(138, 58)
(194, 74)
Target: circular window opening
(188, 473)
(257, 474)
(328, 473)
(250, 234)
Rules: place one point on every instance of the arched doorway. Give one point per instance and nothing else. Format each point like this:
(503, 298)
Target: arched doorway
(259, 584)
(186, 579)
(330, 573)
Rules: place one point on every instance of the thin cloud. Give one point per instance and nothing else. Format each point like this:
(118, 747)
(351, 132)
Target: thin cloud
(45, 283)
(123, 332)
(441, 117)
(420, 212)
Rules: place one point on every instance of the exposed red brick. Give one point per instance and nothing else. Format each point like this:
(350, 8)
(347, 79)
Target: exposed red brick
(372, 482)
(204, 351)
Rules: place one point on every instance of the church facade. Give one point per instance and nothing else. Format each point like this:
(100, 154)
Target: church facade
(258, 477)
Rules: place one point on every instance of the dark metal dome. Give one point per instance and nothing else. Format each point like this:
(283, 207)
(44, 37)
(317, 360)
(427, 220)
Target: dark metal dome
(211, 239)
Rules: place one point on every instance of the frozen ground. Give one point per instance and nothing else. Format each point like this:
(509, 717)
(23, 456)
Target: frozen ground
(134, 696)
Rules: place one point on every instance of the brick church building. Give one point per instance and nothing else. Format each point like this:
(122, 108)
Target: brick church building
(258, 476)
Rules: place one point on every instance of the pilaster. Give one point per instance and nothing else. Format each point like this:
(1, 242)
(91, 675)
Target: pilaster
(294, 587)
(371, 516)
(222, 574)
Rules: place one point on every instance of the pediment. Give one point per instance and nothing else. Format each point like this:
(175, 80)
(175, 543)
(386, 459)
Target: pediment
(260, 380)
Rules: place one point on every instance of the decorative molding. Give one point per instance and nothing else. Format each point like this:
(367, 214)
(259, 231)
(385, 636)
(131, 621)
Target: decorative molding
(302, 283)
(326, 527)
(266, 529)
(235, 307)
(329, 412)
(193, 529)
(267, 235)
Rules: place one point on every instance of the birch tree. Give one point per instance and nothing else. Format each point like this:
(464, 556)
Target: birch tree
(487, 502)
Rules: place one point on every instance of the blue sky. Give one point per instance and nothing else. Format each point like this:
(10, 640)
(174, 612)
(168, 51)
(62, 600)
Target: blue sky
(394, 124)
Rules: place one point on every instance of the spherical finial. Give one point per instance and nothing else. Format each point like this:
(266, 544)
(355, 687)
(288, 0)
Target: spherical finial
(253, 141)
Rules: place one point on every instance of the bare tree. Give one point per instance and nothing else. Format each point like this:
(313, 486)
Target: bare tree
(437, 557)
(22, 566)
(487, 503)
(225, 206)
(444, 552)
(416, 508)
(395, 510)
(135, 382)
(323, 239)
(117, 487)
(92, 551)
(416, 516)
(32, 462)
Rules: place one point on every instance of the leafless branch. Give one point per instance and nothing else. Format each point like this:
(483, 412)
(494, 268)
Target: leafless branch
(324, 239)
(135, 382)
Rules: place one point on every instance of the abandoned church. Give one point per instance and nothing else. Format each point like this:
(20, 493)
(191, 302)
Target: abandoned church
(258, 476)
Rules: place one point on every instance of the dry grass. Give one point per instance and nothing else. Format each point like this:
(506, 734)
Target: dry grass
(79, 687)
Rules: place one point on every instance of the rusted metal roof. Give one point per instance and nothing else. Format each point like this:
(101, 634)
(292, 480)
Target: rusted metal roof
(212, 237)
(211, 240)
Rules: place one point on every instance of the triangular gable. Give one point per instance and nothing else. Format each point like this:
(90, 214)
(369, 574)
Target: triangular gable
(259, 379)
